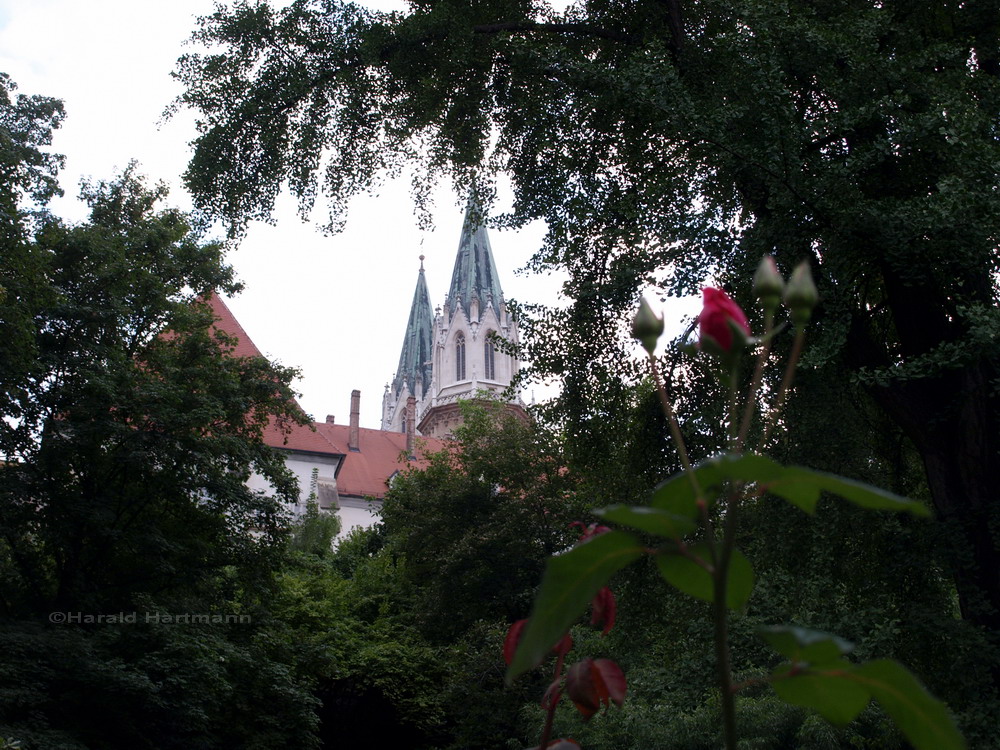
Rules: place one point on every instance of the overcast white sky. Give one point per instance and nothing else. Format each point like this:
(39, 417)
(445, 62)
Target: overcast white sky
(335, 307)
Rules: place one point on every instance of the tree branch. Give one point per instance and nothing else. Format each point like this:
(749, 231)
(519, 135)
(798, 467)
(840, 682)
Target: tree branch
(583, 29)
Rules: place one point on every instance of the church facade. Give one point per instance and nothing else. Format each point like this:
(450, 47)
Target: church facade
(454, 352)
(449, 354)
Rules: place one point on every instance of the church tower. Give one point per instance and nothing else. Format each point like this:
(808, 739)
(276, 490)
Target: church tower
(462, 358)
(413, 374)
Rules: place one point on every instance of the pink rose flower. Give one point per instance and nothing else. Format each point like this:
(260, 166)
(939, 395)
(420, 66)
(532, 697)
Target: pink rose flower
(718, 316)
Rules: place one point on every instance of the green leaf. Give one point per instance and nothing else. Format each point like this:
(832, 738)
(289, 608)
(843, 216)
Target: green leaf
(571, 580)
(745, 467)
(797, 488)
(803, 645)
(798, 485)
(802, 487)
(688, 576)
(924, 720)
(651, 520)
(677, 494)
(833, 694)
(840, 691)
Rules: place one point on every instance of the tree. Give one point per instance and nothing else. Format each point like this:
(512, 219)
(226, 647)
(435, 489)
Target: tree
(662, 141)
(128, 433)
(474, 527)
(315, 531)
(27, 171)
(130, 446)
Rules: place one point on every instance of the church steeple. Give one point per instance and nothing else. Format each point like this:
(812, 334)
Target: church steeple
(447, 357)
(414, 360)
(475, 275)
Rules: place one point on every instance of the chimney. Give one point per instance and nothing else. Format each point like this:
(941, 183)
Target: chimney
(330, 419)
(411, 419)
(352, 441)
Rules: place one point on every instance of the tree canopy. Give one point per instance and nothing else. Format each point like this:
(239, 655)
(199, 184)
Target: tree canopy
(128, 431)
(661, 142)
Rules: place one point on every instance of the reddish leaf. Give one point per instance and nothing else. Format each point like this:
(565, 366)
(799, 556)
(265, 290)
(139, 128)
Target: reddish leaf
(552, 696)
(603, 610)
(589, 531)
(591, 684)
(511, 641)
(581, 688)
(514, 637)
(613, 679)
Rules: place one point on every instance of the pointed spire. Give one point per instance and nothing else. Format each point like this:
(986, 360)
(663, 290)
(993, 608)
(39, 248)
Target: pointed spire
(415, 357)
(475, 275)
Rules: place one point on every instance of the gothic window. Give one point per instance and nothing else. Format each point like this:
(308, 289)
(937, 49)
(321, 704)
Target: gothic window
(489, 358)
(460, 357)
(402, 421)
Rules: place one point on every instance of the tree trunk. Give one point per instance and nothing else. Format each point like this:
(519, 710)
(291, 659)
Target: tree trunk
(953, 421)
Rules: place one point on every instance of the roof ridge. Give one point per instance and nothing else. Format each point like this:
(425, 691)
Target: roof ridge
(226, 322)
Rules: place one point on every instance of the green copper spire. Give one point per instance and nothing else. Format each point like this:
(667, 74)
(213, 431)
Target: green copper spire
(475, 273)
(415, 358)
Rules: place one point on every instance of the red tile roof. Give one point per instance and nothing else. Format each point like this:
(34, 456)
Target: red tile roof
(363, 473)
(301, 438)
(227, 323)
(366, 472)
(295, 436)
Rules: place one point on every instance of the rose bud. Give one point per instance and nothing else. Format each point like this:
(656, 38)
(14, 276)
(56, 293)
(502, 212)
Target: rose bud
(800, 294)
(647, 326)
(722, 325)
(768, 284)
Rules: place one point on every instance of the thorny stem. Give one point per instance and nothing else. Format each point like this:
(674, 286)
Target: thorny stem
(721, 559)
(722, 654)
(786, 382)
(737, 438)
(551, 711)
(675, 433)
(675, 429)
(722, 657)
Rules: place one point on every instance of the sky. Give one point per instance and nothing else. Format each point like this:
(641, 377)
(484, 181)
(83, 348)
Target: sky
(333, 306)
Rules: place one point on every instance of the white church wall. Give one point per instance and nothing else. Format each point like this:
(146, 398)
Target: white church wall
(394, 422)
(356, 513)
(302, 466)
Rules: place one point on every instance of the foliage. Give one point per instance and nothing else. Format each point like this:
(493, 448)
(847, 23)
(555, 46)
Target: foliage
(400, 625)
(26, 170)
(475, 526)
(696, 554)
(151, 684)
(315, 531)
(136, 567)
(661, 142)
(124, 438)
